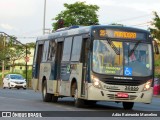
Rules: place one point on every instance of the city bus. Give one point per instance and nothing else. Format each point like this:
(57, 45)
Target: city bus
(95, 63)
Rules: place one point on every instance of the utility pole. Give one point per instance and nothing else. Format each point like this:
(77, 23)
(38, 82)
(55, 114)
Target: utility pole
(44, 17)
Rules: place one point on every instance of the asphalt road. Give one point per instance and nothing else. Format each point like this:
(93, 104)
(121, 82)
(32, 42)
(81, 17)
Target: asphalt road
(28, 100)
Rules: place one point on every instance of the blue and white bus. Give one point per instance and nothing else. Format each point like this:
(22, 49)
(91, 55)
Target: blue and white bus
(95, 63)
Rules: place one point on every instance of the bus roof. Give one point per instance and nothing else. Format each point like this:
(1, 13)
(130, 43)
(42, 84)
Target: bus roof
(84, 29)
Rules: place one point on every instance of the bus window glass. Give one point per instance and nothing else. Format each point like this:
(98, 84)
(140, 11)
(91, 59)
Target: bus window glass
(67, 49)
(76, 50)
(139, 62)
(52, 50)
(105, 59)
(35, 53)
(45, 50)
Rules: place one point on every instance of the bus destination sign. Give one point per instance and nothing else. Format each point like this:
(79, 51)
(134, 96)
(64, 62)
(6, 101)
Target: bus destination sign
(130, 35)
(122, 34)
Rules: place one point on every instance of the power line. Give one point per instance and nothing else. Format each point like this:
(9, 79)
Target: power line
(25, 37)
(142, 24)
(137, 17)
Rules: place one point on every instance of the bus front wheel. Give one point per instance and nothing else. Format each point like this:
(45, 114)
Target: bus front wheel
(46, 96)
(128, 105)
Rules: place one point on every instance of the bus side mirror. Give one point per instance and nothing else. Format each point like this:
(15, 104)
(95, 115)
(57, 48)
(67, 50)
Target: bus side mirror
(155, 46)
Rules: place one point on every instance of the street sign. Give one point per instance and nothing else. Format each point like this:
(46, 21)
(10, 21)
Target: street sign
(26, 59)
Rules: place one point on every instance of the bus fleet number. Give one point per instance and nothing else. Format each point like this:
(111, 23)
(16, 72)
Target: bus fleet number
(131, 88)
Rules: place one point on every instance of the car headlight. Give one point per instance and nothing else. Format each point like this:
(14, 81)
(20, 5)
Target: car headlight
(147, 85)
(96, 82)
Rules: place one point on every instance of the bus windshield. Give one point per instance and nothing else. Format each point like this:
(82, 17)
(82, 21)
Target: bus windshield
(134, 59)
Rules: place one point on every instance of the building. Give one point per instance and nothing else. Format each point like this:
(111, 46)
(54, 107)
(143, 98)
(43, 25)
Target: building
(20, 65)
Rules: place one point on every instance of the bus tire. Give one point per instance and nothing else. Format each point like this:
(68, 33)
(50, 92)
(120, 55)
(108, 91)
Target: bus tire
(128, 105)
(54, 98)
(90, 102)
(45, 96)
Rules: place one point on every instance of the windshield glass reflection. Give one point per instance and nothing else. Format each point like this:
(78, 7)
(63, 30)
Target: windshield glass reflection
(134, 59)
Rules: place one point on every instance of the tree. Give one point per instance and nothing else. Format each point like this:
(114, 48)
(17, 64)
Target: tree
(15, 53)
(78, 13)
(2, 55)
(4, 44)
(11, 50)
(31, 45)
(155, 31)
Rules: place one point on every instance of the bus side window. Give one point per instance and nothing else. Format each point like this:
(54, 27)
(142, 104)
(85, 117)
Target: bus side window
(51, 51)
(45, 50)
(76, 50)
(67, 49)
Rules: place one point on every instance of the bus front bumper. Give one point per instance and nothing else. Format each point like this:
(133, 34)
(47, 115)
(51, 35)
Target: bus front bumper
(104, 95)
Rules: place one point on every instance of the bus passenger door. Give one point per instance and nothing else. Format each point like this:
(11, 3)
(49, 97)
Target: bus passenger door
(58, 63)
(84, 59)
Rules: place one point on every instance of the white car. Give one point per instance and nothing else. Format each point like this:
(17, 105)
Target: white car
(14, 81)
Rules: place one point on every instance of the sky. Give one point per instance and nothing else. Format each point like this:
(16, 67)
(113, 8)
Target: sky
(24, 18)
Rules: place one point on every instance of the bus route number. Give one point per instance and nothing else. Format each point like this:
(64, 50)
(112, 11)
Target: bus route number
(131, 88)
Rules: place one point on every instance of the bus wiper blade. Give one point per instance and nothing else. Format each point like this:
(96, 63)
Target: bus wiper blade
(113, 47)
(134, 48)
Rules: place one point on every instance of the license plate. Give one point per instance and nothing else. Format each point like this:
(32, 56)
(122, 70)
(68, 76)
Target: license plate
(122, 95)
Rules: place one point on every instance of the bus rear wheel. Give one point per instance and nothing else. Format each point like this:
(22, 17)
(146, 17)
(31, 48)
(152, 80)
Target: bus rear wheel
(54, 98)
(46, 96)
(128, 105)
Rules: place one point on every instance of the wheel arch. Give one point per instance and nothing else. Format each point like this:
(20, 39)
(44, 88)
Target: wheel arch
(43, 79)
(73, 86)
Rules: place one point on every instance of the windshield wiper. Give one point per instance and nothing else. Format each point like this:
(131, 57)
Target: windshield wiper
(113, 47)
(134, 48)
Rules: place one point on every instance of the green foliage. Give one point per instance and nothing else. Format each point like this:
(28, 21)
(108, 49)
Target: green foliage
(156, 29)
(157, 65)
(29, 74)
(77, 14)
(31, 45)
(2, 48)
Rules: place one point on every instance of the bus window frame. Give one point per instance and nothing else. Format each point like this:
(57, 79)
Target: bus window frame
(72, 60)
(64, 59)
(45, 50)
(49, 55)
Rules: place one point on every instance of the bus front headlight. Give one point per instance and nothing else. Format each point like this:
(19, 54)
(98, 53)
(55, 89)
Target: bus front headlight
(96, 82)
(147, 85)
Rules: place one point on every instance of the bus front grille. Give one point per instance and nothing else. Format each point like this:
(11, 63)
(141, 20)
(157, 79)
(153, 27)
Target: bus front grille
(115, 97)
(124, 82)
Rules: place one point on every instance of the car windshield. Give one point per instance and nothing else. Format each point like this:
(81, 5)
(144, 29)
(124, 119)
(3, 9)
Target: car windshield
(18, 77)
(134, 58)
